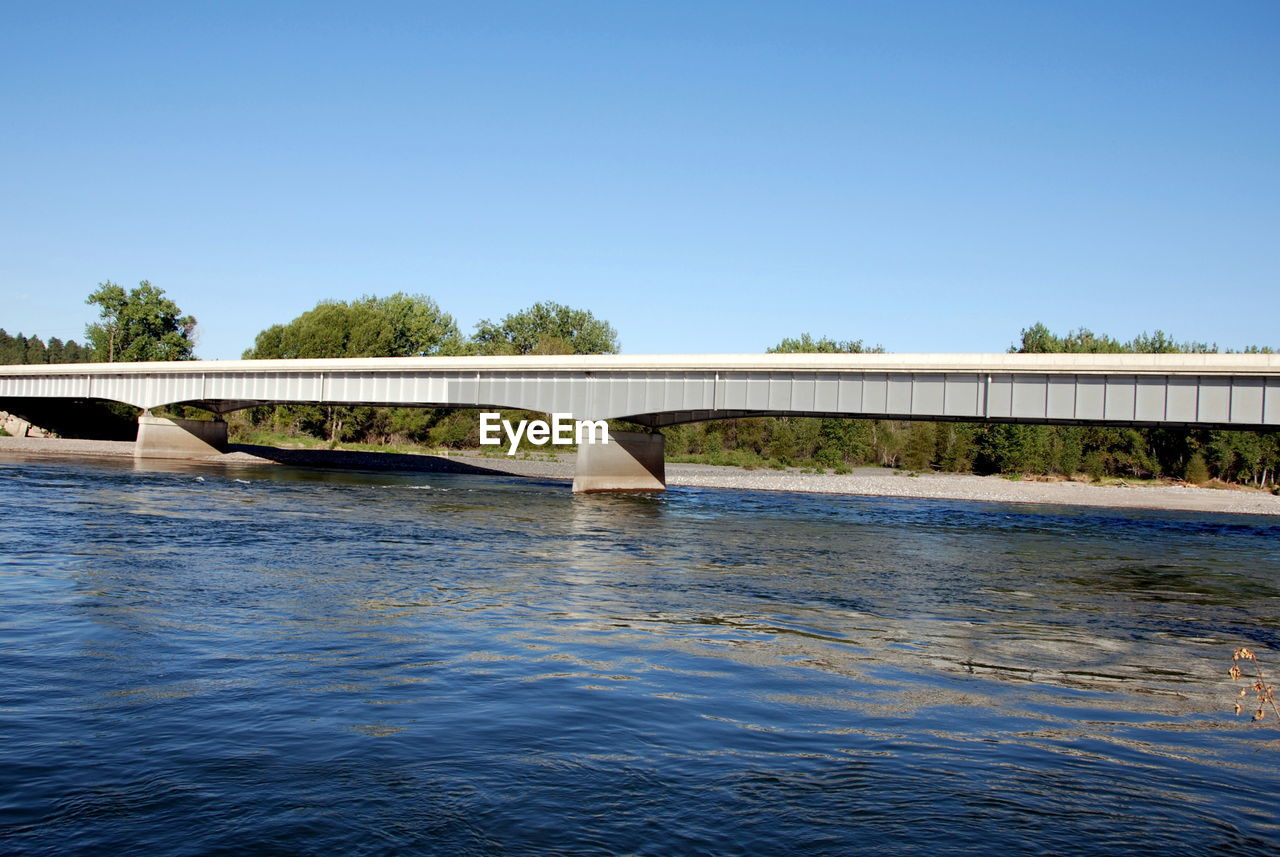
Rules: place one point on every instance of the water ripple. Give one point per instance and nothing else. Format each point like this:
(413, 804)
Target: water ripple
(297, 662)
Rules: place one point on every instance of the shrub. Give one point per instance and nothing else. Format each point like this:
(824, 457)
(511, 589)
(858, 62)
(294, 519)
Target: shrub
(1197, 472)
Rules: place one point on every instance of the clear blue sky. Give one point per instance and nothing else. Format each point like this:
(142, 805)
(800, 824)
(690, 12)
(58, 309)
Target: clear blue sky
(707, 176)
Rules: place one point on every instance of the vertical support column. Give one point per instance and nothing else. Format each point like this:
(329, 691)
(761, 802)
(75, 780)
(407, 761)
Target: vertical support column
(164, 438)
(630, 461)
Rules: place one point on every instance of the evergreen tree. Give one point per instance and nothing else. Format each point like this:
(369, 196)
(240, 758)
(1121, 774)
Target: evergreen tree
(36, 352)
(9, 351)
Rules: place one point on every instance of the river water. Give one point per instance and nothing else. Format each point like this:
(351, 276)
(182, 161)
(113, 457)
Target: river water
(276, 661)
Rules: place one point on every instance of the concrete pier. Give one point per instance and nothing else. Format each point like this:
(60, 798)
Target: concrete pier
(165, 438)
(630, 461)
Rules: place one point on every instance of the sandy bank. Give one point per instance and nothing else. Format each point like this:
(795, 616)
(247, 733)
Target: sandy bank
(865, 481)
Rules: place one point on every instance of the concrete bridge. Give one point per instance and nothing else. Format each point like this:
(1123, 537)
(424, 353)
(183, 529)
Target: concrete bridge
(1240, 391)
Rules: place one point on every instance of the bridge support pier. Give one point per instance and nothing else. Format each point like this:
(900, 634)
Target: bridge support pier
(630, 461)
(164, 438)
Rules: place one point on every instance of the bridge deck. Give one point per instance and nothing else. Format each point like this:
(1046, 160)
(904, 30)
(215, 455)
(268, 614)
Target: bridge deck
(1226, 390)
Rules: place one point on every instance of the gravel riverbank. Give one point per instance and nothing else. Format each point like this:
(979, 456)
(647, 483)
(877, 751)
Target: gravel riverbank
(866, 481)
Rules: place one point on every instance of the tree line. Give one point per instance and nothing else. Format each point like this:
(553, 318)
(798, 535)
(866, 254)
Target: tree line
(22, 349)
(404, 325)
(134, 325)
(143, 324)
(1194, 455)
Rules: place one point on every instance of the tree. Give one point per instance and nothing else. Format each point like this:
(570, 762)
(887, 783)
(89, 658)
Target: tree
(1038, 339)
(806, 344)
(1161, 343)
(838, 441)
(401, 325)
(546, 328)
(20, 349)
(37, 352)
(11, 351)
(138, 325)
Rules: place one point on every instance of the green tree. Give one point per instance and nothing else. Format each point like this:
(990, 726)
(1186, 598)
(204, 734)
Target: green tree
(806, 344)
(20, 349)
(839, 441)
(37, 352)
(956, 446)
(546, 328)
(1197, 472)
(400, 325)
(138, 325)
(1038, 339)
(919, 449)
(74, 352)
(1161, 343)
(1099, 450)
(10, 352)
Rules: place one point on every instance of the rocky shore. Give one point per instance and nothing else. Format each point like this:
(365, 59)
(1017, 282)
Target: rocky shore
(865, 481)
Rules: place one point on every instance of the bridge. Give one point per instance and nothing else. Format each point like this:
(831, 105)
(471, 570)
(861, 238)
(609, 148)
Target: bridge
(1235, 391)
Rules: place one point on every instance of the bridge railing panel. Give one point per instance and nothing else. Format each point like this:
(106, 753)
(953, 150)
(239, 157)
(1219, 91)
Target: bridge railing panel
(1029, 398)
(849, 394)
(1121, 397)
(1247, 398)
(1214, 402)
(898, 390)
(1060, 399)
(1150, 396)
(1091, 397)
(826, 392)
(781, 386)
(804, 391)
(577, 394)
(496, 388)
(963, 396)
(1000, 397)
(929, 395)
(875, 393)
(1181, 397)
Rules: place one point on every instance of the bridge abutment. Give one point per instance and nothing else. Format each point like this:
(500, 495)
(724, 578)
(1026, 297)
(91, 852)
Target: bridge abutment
(630, 461)
(165, 438)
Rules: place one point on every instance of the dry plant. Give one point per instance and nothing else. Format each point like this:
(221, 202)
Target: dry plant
(1264, 694)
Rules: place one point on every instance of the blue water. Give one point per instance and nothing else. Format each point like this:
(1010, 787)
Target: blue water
(277, 661)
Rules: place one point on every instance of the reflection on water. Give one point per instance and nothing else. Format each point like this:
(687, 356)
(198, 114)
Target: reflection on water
(283, 661)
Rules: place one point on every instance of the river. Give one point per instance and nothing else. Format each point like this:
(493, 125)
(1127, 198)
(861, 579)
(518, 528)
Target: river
(281, 661)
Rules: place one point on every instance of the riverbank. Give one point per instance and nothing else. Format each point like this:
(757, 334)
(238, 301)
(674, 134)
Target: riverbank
(876, 482)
